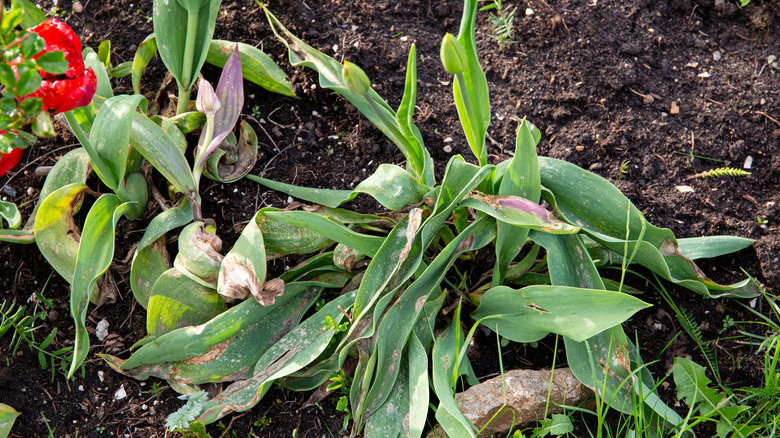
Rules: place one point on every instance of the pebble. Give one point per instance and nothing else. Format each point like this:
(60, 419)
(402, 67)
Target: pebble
(447, 149)
(704, 75)
(748, 162)
(579, 148)
(529, 12)
(120, 393)
(684, 189)
(78, 8)
(596, 166)
(674, 108)
(716, 55)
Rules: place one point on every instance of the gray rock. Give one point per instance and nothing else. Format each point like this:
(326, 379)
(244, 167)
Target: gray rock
(526, 398)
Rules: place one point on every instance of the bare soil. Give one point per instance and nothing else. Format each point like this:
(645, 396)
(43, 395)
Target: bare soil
(663, 89)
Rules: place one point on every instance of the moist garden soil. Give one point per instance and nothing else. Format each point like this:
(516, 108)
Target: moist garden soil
(646, 93)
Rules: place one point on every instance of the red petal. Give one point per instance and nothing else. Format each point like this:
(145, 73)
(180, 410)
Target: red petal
(67, 94)
(59, 36)
(9, 160)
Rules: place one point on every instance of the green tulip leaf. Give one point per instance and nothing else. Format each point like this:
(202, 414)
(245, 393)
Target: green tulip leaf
(178, 301)
(257, 67)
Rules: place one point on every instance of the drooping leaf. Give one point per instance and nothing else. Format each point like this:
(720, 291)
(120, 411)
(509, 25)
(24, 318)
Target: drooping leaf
(292, 352)
(531, 313)
(257, 67)
(711, 246)
(609, 218)
(57, 235)
(371, 105)
(95, 253)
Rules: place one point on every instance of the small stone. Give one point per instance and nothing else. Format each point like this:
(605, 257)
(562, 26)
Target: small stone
(704, 75)
(648, 99)
(120, 393)
(684, 189)
(674, 109)
(748, 162)
(447, 149)
(596, 166)
(448, 140)
(763, 101)
(101, 331)
(529, 12)
(716, 55)
(579, 148)
(78, 8)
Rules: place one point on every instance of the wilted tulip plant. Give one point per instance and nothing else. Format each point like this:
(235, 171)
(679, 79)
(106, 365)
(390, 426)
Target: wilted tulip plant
(378, 278)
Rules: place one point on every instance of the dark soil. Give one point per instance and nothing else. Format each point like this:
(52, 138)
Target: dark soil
(581, 71)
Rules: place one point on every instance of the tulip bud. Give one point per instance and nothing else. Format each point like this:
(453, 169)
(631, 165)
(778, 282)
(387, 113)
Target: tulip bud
(453, 56)
(355, 78)
(207, 102)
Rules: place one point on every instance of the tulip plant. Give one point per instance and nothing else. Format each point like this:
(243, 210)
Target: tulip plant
(380, 281)
(381, 278)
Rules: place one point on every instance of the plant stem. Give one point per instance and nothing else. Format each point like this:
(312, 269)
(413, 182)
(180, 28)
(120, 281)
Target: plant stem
(186, 68)
(97, 163)
(392, 124)
(200, 160)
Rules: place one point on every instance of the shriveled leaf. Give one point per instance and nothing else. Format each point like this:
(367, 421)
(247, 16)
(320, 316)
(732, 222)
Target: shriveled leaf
(242, 272)
(257, 67)
(234, 158)
(533, 312)
(95, 252)
(178, 301)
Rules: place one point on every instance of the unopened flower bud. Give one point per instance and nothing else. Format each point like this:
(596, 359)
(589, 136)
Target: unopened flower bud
(207, 102)
(355, 78)
(453, 56)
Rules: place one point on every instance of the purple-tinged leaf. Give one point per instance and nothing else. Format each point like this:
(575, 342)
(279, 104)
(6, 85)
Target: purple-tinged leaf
(230, 93)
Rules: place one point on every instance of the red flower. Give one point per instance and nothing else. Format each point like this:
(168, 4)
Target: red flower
(9, 160)
(77, 85)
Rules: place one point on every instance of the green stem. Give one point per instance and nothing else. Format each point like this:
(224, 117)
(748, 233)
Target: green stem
(183, 103)
(186, 69)
(392, 125)
(477, 146)
(200, 162)
(97, 162)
